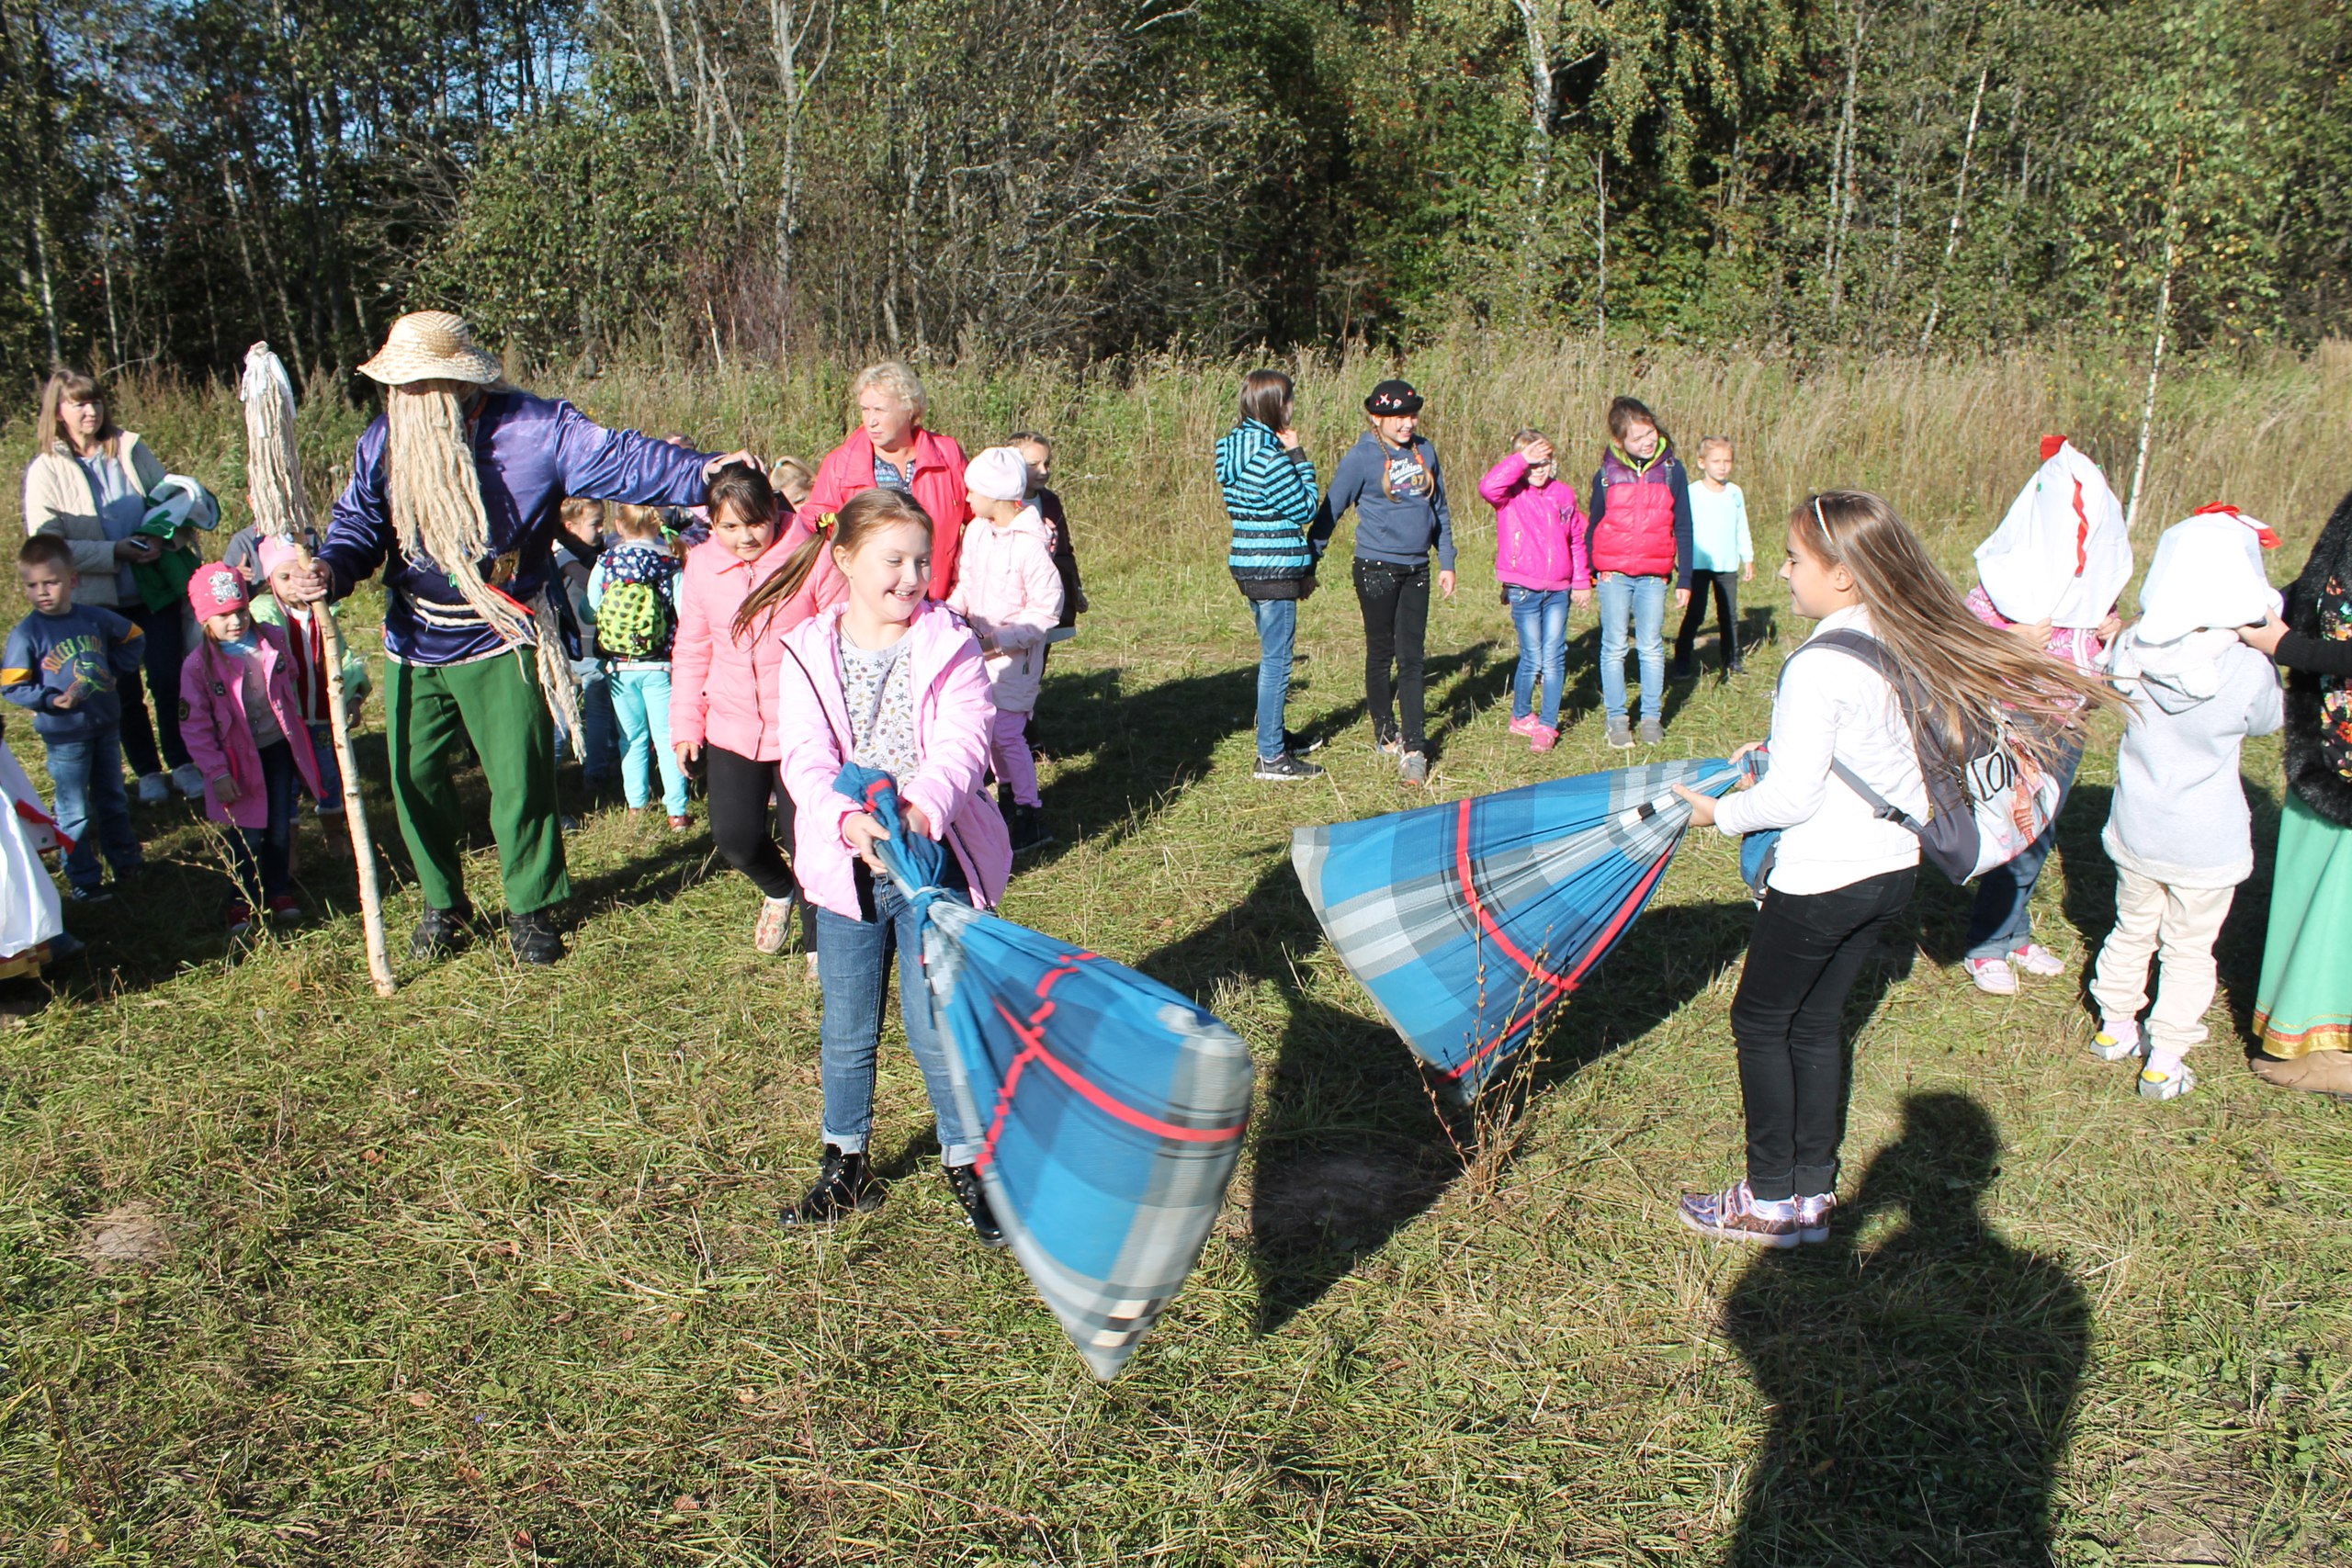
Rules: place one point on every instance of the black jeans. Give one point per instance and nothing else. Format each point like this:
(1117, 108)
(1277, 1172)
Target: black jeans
(265, 854)
(737, 790)
(1802, 964)
(162, 631)
(1395, 604)
(1725, 586)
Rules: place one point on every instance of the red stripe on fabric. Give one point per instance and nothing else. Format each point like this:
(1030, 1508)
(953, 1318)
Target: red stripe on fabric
(1478, 905)
(1624, 913)
(2050, 445)
(2082, 532)
(1033, 1049)
(41, 818)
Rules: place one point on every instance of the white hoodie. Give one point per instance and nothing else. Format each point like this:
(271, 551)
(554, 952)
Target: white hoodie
(1008, 592)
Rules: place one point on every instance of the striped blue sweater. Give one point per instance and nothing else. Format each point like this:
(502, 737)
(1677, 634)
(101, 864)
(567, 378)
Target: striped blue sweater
(1270, 494)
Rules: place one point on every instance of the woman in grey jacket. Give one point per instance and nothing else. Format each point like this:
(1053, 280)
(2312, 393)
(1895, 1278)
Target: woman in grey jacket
(1391, 476)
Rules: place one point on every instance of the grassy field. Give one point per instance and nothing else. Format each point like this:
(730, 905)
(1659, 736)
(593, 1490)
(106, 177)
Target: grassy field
(489, 1273)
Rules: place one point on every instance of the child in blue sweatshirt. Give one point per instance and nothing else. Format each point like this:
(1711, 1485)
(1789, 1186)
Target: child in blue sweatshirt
(1391, 476)
(66, 662)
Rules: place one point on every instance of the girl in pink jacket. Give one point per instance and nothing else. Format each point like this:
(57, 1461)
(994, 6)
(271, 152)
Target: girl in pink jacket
(1009, 590)
(888, 680)
(722, 689)
(244, 731)
(1539, 559)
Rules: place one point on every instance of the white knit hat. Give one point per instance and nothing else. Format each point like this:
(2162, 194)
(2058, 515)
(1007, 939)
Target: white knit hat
(431, 345)
(1001, 473)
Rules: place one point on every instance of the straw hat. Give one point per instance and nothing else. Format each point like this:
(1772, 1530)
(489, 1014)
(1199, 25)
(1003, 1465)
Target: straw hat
(430, 346)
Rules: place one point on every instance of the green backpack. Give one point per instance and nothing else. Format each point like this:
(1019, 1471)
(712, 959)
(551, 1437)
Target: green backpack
(634, 619)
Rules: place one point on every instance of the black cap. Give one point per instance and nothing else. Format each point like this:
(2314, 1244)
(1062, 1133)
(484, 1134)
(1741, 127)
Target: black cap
(1393, 397)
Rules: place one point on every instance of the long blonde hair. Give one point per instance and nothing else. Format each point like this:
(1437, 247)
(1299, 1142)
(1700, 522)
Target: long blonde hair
(864, 514)
(1959, 671)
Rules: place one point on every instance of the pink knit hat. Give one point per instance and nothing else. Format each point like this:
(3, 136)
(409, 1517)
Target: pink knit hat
(215, 589)
(275, 553)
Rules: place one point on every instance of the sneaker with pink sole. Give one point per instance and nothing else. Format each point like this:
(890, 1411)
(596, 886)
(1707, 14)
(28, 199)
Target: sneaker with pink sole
(1543, 738)
(1735, 1214)
(1993, 975)
(1526, 723)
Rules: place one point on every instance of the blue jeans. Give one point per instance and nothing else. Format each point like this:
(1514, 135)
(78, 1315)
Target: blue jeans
(641, 709)
(92, 807)
(329, 766)
(598, 749)
(1277, 631)
(2002, 920)
(854, 968)
(1642, 601)
(1542, 617)
(265, 854)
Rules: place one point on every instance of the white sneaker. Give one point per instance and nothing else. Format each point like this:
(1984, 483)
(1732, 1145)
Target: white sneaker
(2156, 1084)
(2038, 960)
(2118, 1039)
(190, 778)
(155, 789)
(1993, 975)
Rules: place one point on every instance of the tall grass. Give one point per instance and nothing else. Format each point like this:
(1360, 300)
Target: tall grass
(489, 1273)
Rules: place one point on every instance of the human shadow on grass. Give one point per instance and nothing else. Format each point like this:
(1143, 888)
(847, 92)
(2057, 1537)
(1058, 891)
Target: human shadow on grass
(1921, 1386)
(1352, 1140)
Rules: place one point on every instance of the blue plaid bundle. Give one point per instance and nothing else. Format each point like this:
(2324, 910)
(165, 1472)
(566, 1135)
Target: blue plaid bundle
(1470, 921)
(1111, 1108)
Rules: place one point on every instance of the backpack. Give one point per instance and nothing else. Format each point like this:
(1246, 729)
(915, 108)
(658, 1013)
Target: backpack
(635, 618)
(1985, 807)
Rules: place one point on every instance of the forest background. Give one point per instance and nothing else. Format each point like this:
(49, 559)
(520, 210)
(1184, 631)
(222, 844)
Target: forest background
(1082, 179)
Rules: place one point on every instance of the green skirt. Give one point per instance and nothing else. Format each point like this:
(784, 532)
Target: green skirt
(2304, 1002)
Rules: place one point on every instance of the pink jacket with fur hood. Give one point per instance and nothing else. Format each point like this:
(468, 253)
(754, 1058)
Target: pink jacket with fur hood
(220, 741)
(722, 692)
(952, 718)
(1008, 588)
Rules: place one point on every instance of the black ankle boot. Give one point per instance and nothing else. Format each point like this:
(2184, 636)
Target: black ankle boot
(442, 933)
(534, 937)
(963, 1181)
(1029, 829)
(845, 1186)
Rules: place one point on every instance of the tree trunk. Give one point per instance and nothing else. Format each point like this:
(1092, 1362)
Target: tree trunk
(1601, 258)
(2157, 358)
(1959, 209)
(1842, 177)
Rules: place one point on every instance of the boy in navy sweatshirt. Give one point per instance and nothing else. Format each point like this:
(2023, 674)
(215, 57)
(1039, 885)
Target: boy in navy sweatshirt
(1391, 476)
(64, 661)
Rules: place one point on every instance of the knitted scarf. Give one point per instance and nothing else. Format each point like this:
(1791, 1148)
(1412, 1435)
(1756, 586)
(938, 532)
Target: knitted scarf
(2318, 707)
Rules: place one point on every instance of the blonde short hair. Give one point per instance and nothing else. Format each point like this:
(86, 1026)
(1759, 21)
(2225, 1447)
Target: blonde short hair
(792, 479)
(1709, 443)
(895, 379)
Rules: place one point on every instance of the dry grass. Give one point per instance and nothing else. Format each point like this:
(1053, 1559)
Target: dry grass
(489, 1274)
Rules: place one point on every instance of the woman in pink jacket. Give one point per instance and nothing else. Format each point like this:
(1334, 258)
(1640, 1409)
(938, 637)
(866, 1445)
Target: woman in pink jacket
(244, 731)
(890, 680)
(722, 689)
(1539, 559)
(889, 448)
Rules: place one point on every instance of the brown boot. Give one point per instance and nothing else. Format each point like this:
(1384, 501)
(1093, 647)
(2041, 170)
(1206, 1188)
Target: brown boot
(2318, 1072)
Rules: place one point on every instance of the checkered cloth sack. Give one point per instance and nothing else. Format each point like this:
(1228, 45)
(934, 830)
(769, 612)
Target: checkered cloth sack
(1111, 1108)
(1469, 922)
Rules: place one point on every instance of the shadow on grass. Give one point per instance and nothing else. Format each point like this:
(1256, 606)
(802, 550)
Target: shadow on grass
(1921, 1386)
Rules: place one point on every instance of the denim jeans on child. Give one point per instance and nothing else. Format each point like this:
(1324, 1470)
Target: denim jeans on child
(853, 967)
(1642, 601)
(1277, 629)
(92, 808)
(641, 709)
(597, 749)
(1542, 617)
(329, 766)
(265, 854)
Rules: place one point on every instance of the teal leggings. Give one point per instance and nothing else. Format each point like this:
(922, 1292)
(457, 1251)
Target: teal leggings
(641, 708)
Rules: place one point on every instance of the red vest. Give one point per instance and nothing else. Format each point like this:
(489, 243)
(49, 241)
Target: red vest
(1636, 534)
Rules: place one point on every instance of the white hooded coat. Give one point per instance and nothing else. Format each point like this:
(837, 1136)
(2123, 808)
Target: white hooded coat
(1008, 592)
(2061, 554)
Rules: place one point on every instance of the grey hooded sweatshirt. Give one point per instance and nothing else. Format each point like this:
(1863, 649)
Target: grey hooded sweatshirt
(2179, 814)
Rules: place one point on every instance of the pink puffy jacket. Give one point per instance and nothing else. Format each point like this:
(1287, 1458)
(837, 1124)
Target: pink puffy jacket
(722, 692)
(1008, 588)
(1539, 531)
(952, 718)
(220, 741)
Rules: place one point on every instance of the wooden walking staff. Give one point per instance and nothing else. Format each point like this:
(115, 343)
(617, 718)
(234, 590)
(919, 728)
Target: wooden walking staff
(282, 511)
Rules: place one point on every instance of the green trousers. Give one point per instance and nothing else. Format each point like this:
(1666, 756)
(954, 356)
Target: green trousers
(496, 703)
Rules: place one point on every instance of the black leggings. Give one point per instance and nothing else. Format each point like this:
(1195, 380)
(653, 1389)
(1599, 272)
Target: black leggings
(162, 632)
(739, 790)
(1726, 585)
(265, 855)
(1788, 1021)
(1395, 604)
